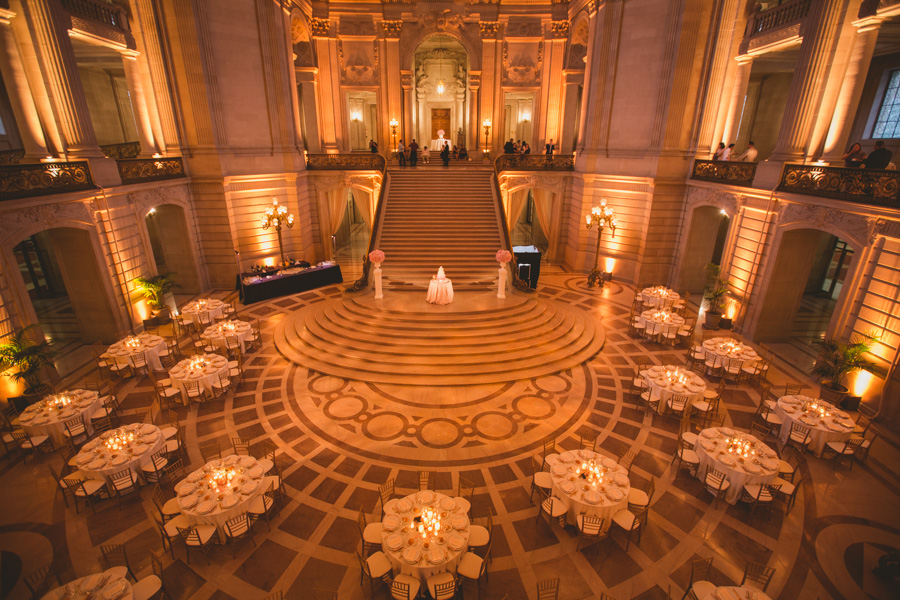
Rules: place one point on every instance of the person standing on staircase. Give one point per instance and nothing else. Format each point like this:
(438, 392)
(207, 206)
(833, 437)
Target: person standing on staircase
(401, 153)
(413, 153)
(445, 155)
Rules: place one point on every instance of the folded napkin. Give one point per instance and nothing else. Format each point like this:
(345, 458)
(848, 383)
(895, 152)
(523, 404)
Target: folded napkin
(727, 459)
(120, 460)
(25, 417)
(436, 555)
(92, 582)
(411, 554)
(608, 463)
(727, 431)
(390, 522)
(558, 470)
(567, 486)
(769, 465)
(249, 487)
(229, 501)
(567, 457)
(459, 522)
(256, 472)
(592, 497)
(394, 542)
(148, 428)
(447, 503)
(114, 589)
(247, 461)
(206, 506)
(195, 476)
(707, 433)
(727, 594)
(187, 501)
(752, 468)
(404, 505)
(426, 496)
(84, 458)
(230, 459)
(140, 449)
(615, 493)
(184, 487)
(456, 542)
(621, 480)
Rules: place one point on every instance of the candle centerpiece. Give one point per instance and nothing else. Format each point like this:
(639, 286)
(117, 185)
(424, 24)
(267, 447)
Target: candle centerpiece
(592, 472)
(817, 408)
(227, 327)
(120, 441)
(132, 342)
(428, 523)
(740, 446)
(677, 375)
(197, 363)
(220, 478)
(58, 402)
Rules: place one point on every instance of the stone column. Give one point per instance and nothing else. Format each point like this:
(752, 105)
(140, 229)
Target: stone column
(489, 31)
(308, 92)
(819, 33)
(153, 76)
(591, 68)
(406, 119)
(60, 70)
(139, 105)
(738, 96)
(475, 130)
(27, 119)
(393, 88)
(552, 89)
(570, 114)
(851, 89)
(329, 82)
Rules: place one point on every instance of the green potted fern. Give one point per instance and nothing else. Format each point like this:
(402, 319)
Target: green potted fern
(154, 289)
(835, 359)
(714, 294)
(29, 357)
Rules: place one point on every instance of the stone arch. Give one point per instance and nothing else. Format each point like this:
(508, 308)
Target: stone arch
(699, 198)
(411, 44)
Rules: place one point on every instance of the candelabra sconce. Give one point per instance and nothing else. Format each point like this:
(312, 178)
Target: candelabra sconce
(603, 217)
(277, 216)
(487, 132)
(394, 124)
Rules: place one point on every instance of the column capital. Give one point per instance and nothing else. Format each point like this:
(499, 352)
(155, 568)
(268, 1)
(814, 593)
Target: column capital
(6, 15)
(392, 28)
(559, 29)
(744, 59)
(489, 29)
(319, 27)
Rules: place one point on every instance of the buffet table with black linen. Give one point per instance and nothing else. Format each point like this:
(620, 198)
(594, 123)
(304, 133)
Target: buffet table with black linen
(275, 284)
(528, 255)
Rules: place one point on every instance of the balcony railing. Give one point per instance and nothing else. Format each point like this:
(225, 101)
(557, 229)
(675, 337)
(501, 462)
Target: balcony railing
(41, 179)
(774, 24)
(866, 186)
(724, 171)
(870, 7)
(346, 162)
(100, 19)
(119, 151)
(534, 162)
(139, 170)
(11, 157)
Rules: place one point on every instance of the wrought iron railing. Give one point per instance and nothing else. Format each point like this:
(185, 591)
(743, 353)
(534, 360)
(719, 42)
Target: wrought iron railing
(119, 151)
(362, 283)
(137, 170)
(724, 171)
(778, 16)
(41, 179)
(11, 157)
(866, 186)
(534, 162)
(346, 162)
(101, 19)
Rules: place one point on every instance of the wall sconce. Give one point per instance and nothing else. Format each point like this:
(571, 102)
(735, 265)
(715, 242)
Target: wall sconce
(526, 117)
(152, 211)
(356, 117)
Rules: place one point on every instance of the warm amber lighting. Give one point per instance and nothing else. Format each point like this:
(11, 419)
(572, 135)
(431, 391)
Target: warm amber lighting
(269, 262)
(440, 87)
(861, 383)
(731, 310)
(610, 264)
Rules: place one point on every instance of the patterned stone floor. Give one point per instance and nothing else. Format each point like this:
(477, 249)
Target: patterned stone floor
(340, 439)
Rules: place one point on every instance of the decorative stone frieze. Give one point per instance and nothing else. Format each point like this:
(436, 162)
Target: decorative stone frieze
(559, 29)
(319, 27)
(489, 29)
(392, 29)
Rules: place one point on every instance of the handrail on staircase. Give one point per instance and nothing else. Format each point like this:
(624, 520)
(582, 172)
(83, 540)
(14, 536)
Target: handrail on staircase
(517, 283)
(362, 283)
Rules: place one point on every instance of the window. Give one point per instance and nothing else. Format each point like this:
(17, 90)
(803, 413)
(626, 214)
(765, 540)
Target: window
(888, 123)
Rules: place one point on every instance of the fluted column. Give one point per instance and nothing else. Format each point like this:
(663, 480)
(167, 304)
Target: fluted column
(406, 121)
(393, 89)
(47, 21)
(308, 93)
(738, 94)
(852, 83)
(489, 84)
(475, 131)
(27, 119)
(329, 82)
(591, 74)
(139, 106)
(572, 81)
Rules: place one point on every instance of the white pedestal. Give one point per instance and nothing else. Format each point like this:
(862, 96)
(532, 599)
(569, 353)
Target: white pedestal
(378, 292)
(501, 282)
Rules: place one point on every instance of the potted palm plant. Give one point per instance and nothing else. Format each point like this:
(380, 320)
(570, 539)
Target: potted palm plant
(714, 294)
(154, 289)
(27, 356)
(835, 359)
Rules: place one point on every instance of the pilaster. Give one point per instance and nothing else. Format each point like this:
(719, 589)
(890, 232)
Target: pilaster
(738, 93)
(139, 105)
(24, 110)
(329, 82)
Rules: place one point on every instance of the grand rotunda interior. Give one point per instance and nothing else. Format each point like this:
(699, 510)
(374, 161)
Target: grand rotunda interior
(444, 299)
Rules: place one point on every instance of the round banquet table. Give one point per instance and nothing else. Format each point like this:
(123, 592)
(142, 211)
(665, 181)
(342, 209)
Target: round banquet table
(710, 448)
(206, 376)
(656, 321)
(210, 306)
(605, 501)
(731, 592)
(201, 505)
(98, 462)
(659, 296)
(406, 550)
(837, 427)
(41, 419)
(103, 585)
(664, 387)
(151, 345)
(217, 333)
(440, 291)
(724, 348)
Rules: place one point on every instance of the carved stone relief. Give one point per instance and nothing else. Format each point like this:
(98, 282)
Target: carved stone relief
(356, 27)
(392, 29)
(19, 224)
(707, 196)
(852, 227)
(489, 29)
(319, 27)
(559, 29)
(359, 67)
(522, 68)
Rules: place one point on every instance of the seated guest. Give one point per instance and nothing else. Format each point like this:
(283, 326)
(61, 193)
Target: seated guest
(455, 151)
(509, 147)
(879, 158)
(463, 153)
(854, 157)
(426, 154)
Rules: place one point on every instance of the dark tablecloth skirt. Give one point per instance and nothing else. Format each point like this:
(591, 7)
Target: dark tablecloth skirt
(284, 285)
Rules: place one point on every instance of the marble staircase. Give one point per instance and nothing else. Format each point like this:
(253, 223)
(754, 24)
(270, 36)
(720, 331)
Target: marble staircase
(435, 217)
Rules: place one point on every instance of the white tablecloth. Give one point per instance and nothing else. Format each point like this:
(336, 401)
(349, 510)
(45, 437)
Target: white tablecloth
(217, 333)
(98, 462)
(206, 376)
(663, 386)
(728, 348)
(211, 306)
(659, 321)
(611, 496)
(41, 419)
(150, 345)
(438, 144)
(731, 592)
(440, 291)
(203, 505)
(401, 523)
(710, 448)
(798, 409)
(659, 296)
(105, 581)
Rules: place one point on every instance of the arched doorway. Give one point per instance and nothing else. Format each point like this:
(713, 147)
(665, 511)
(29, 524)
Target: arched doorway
(65, 284)
(803, 290)
(441, 68)
(351, 240)
(170, 242)
(705, 243)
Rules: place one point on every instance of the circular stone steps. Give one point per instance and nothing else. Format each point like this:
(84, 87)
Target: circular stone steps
(480, 339)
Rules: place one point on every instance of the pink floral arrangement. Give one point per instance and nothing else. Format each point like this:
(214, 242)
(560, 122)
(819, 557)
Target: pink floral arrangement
(504, 256)
(376, 256)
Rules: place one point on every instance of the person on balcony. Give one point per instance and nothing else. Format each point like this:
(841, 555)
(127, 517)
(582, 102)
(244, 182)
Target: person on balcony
(880, 157)
(854, 157)
(526, 149)
(749, 154)
(726, 155)
(373, 146)
(550, 148)
(509, 147)
(401, 153)
(719, 151)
